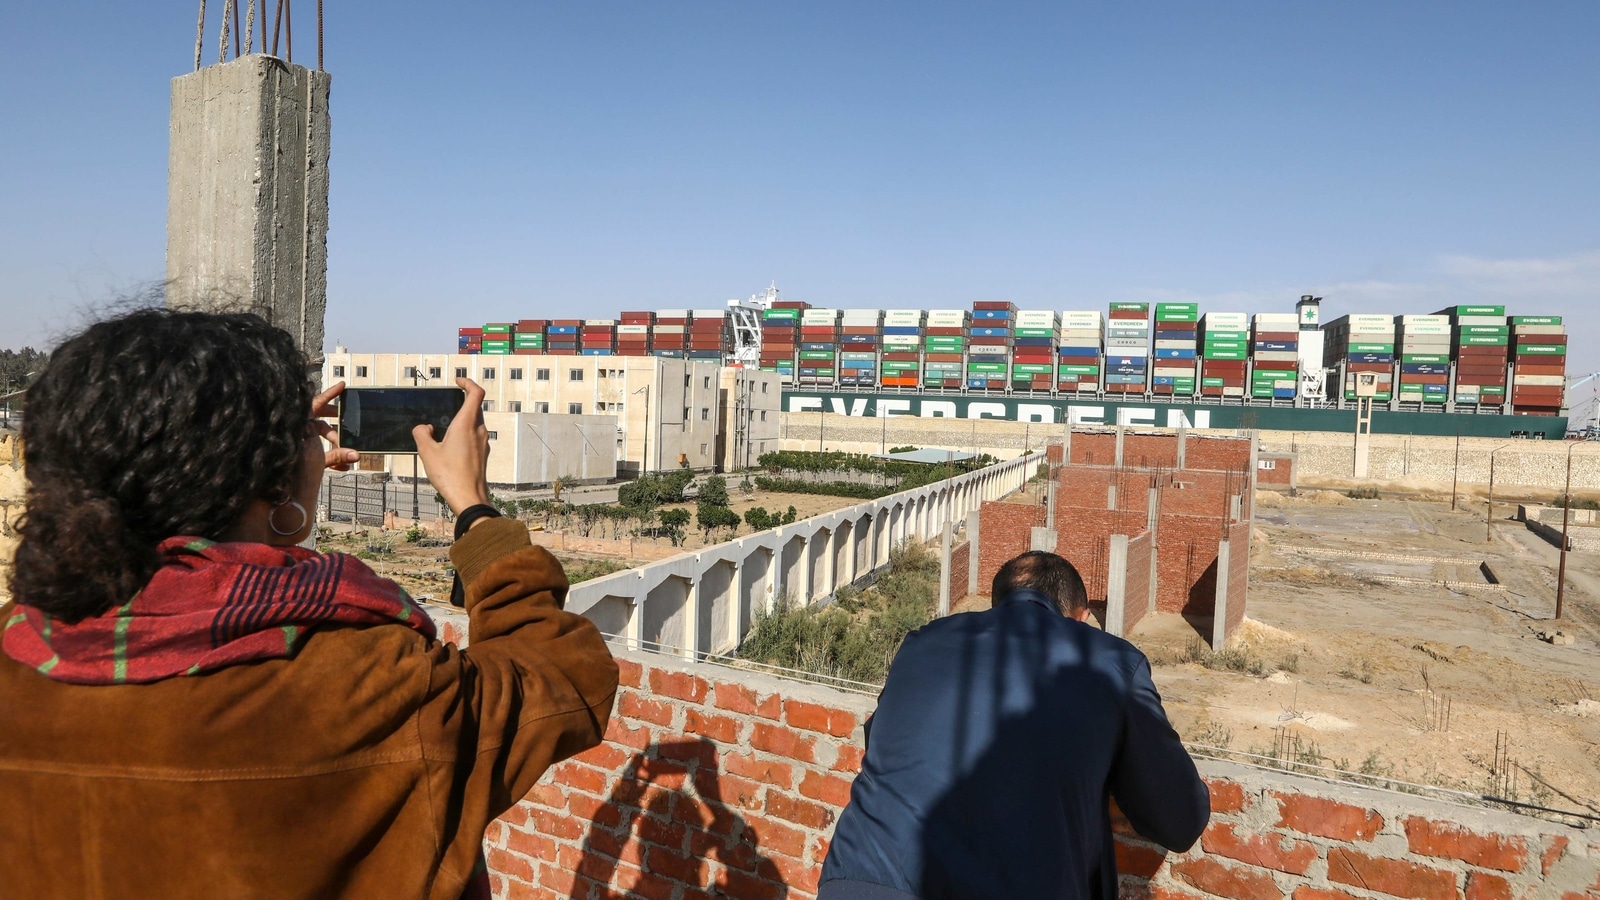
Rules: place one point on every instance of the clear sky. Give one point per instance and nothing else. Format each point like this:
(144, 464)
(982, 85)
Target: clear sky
(504, 160)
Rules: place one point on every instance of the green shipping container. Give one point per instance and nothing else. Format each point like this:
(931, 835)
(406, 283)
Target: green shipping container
(1035, 332)
(1480, 310)
(1482, 329)
(1213, 382)
(1187, 316)
(1077, 370)
(1483, 340)
(1030, 368)
(1226, 354)
(1536, 320)
(1227, 336)
(816, 354)
(1275, 374)
(497, 351)
(986, 367)
(1371, 348)
(1422, 358)
(1130, 307)
(1498, 389)
(1543, 349)
(1212, 345)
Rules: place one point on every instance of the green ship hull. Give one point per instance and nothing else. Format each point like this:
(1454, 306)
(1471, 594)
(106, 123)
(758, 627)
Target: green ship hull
(1155, 414)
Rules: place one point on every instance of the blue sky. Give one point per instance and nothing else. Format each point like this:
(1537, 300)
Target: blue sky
(528, 159)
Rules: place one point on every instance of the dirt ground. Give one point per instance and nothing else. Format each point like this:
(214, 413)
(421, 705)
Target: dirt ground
(1372, 663)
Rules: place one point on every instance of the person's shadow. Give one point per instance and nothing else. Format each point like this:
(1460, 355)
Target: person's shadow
(669, 814)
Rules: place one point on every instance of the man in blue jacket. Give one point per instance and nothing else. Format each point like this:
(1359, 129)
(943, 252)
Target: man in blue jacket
(997, 741)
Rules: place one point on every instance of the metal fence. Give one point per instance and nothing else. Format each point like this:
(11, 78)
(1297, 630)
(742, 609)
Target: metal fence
(354, 499)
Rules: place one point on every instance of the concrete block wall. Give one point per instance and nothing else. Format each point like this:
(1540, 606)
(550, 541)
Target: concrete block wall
(720, 782)
(1136, 604)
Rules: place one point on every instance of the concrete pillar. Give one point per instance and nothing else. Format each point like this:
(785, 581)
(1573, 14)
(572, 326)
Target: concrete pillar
(852, 541)
(944, 570)
(827, 584)
(1050, 502)
(736, 604)
(247, 194)
(1183, 457)
(1117, 586)
(1219, 615)
(1111, 496)
(774, 567)
(802, 595)
(1042, 539)
(691, 619)
(1120, 433)
(972, 552)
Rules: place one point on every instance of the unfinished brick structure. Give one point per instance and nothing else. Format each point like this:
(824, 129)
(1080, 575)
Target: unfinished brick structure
(717, 782)
(1121, 498)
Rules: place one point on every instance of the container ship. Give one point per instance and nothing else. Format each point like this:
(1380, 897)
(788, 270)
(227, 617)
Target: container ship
(1466, 370)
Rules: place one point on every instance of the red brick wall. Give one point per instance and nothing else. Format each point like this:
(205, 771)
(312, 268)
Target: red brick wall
(1137, 581)
(1094, 448)
(1216, 454)
(960, 566)
(1282, 472)
(1150, 451)
(1186, 558)
(714, 782)
(1054, 453)
(1004, 531)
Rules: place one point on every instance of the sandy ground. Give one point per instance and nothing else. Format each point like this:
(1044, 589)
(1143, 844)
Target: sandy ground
(1368, 664)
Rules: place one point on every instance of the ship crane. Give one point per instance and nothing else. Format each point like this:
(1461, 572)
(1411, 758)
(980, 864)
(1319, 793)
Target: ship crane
(744, 317)
(1587, 425)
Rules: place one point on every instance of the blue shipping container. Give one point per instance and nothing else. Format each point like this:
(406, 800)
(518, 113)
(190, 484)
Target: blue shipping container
(596, 351)
(901, 329)
(1033, 342)
(1424, 369)
(991, 314)
(562, 329)
(1278, 346)
(1174, 354)
(1080, 351)
(990, 332)
(1371, 357)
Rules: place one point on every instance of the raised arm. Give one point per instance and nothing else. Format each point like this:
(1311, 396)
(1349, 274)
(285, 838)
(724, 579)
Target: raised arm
(1155, 782)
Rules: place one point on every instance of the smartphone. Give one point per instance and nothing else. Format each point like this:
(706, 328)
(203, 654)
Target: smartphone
(379, 420)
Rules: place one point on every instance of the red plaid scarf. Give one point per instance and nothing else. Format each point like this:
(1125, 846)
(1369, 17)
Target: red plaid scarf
(211, 605)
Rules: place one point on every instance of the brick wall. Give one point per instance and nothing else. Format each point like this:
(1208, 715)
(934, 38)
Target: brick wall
(1150, 451)
(1137, 580)
(1004, 531)
(1094, 448)
(715, 782)
(960, 567)
(1186, 559)
(1275, 469)
(1216, 454)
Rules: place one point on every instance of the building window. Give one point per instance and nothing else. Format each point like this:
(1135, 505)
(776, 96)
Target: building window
(602, 372)
(540, 406)
(574, 409)
(361, 371)
(616, 408)
(494, 435)
(686, 381)
(488, 406)
(461, 371)
(488, 374)
(515, 406)
(574, 374)
(763, 415)
(338, 371)
(411, 372)
(707, 384)
(435, 372)
(702, 449)
(763, 387)
(516, 374)
(541, 374)
(686, 414)
(705, 413)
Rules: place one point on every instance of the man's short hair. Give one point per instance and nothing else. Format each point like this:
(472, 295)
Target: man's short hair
(1044, 572)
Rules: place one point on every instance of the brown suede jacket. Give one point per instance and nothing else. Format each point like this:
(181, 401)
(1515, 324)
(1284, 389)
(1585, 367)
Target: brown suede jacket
(368, 766)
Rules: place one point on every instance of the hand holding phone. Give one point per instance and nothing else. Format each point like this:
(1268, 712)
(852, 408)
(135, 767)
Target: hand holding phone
(458, 465)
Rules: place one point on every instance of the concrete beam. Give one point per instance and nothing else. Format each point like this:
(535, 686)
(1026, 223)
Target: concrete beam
(1219, 614)
(1042, 539)
(1117, 586)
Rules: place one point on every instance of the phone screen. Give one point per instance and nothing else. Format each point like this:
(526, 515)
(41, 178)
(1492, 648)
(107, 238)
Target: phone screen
(379, 420)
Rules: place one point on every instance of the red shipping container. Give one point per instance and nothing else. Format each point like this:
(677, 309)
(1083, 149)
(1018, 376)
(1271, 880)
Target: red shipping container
(994, 304)
(899, 356)
(1128, 315)
(945, 332)
(943, 357)
(1281, 337)
(859, 329)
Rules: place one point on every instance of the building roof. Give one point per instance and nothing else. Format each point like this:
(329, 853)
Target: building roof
(929, 456)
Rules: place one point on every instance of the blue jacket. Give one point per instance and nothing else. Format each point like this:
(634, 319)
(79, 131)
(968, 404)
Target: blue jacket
(997, 741)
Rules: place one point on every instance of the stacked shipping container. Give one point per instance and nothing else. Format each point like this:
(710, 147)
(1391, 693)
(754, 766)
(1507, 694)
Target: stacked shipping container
(819, 347)
(944, 347)
(860, 335)
(902, 340)
(1364, 344)
(1127, 363)
(1424, 359)
(989, 344)
(1225, 354)
(1275, 356)
(1539, 365)
(1481, 351)
(633, 335)
(1033, 350)
(1080, 350)
(1177, 336)
(780, 337)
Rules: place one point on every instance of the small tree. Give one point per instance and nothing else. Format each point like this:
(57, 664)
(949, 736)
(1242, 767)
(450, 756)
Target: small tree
(759, 519)
(789, 517)
(714, 491)
(710, 517)
(674, 521)
(560, 484)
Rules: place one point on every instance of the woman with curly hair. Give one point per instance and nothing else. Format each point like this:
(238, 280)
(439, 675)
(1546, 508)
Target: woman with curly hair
(191, 705)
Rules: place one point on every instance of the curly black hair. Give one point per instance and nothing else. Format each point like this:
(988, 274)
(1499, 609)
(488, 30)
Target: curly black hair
(146, 426)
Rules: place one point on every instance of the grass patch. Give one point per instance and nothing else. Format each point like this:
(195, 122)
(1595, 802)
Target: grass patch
(857, 636)
(581, 570)
(1362, 493)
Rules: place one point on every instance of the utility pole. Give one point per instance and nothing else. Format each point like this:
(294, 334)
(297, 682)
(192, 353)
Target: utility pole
(644, 460)
(1455, 477)
(1488, 519)
(1566, 515)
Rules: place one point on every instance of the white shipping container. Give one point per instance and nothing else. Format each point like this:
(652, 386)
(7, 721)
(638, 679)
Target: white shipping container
(1538, 329)
(1122, 343)
(1409, 321)
(668, 329)
(1227, 321)
(1088, 316)
(1074, 336)
(1277, 319)
(1173, 372)
(1276, 356)
(1369, 322)
(710, 313)
(1539, 380)
(633, 329)
(1481, 320)
(672, 314)
(903, 317)
(600, 323)
(988, 350)
(1175, 345)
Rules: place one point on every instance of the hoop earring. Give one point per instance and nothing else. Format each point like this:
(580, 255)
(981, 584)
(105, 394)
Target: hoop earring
(273, 524)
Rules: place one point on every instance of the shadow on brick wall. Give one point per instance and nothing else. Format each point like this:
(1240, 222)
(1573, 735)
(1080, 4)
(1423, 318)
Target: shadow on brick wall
(674, 819)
